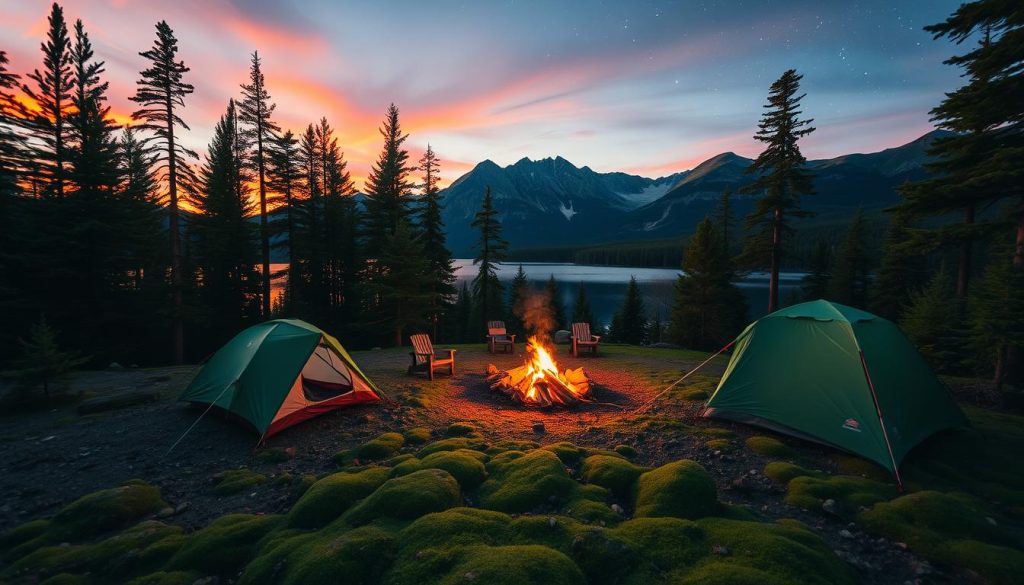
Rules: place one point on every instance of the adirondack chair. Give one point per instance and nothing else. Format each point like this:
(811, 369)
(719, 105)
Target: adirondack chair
(498, 336)
(582, 339)
(423, 357)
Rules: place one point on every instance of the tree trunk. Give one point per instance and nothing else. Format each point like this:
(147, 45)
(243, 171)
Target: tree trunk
(964, 271)
(1000, 373)
(172, 178)
(1013, 366)
(773, 278)
(264, 232)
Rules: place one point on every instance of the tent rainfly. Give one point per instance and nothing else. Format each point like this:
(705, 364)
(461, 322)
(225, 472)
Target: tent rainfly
(280, 373)
(836, 375)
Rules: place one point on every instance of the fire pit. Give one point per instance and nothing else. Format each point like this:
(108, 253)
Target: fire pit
(538, 382)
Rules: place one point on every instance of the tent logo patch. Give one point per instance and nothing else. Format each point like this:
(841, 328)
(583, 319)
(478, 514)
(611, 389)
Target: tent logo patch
(852, 425)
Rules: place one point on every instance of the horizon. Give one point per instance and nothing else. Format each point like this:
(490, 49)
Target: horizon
(643, 89)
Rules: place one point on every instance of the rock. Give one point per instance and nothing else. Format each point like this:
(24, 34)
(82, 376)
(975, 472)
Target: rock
(720, 550)
(845, 533)
(115, 366)
(829, 506)
(165, 513)
(901, 545)
(618, 509)
(991, 520)
(538, 427)
(552, 521)
(562, 336)
(753, 472)
(181, 508)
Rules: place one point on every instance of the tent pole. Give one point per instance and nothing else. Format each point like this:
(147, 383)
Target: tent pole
(650, 402)
(881, 421)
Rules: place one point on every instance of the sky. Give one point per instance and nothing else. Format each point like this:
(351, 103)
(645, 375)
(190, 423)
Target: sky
(645, 87)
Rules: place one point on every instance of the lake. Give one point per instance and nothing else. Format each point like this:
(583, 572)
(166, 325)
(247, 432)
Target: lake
(606, 285)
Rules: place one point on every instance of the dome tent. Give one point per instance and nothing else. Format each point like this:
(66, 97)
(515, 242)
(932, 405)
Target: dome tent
(279, 373)
(835, 375)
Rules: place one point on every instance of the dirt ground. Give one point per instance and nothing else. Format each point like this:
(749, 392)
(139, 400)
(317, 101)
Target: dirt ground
(50, 458)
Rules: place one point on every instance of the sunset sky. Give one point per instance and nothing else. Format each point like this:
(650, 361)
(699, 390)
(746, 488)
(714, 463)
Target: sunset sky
(645, 87)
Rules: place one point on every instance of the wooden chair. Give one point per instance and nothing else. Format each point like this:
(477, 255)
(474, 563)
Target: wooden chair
(423, 357)
(582, 339)
(498, 336)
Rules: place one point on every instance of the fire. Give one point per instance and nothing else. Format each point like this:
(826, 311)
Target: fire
(538, 382)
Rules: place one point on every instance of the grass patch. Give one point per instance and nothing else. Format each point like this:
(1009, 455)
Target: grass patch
(460, 429)
(770, 447)
(233, 481)
(682, 489)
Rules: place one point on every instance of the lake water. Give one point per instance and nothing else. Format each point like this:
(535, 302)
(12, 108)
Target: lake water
(606, 285)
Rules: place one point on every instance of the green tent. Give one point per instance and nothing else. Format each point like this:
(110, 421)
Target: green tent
(279, 373)
(836, 375)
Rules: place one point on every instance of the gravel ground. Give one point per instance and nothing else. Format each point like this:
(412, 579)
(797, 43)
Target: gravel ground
(49, 458)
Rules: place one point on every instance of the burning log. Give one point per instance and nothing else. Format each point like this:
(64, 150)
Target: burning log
(538, 382)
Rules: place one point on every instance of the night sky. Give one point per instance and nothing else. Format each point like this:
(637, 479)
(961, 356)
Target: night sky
(644, 87)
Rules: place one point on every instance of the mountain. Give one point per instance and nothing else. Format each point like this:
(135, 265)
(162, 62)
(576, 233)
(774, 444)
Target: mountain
(548, 202)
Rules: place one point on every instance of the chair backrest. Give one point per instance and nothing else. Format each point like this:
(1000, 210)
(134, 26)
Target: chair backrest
(581, 331)
(496, 328)
(421, 345)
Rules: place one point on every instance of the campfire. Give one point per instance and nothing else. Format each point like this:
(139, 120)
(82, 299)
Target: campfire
(538, 382)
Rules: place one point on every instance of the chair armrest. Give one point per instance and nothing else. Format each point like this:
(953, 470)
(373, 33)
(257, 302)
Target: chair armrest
(451, 352)
(512, 337)
(596, 338)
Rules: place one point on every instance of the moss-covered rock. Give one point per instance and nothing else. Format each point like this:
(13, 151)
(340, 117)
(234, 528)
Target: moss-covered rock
(770, 447)
(522, 482)
(850, 493)
(626, 451)
(852, 465)
(225, 546)
(273, 455)
(613, 473)
(682, 489)
(357, 556)
(783, 472)
(718, 444)
(334, 495)
(498, 565)
(569, 453)
(380, 448)
(300, 485)
(454, 527)
(453, 444)
(233, 481)
(465, 465)
(416, 436)
(950, 528)
(167, 578)
(460, 429)
(511, 445)
(408, 497)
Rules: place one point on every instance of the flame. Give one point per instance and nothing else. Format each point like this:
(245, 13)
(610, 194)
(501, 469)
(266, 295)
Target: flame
(538, 382)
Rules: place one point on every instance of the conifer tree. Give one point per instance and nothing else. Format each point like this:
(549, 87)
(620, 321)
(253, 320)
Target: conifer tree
(723, 217)
(43, 362)
(462, 315)
(781, 180)
(997, 314)
(255, 111)
(225, 241)
(137, 159)
(341, 221)
(52, 93)
(902, 270)
(581, 312)
(161, 93)
(630, 325)
(138, 196)
(555, 302)
(283, 176)
(13, 116)
(441, 275)
(819, 271)
(708, 309)
(13, 165)
(929, 321)
(403, 291)
(492, 250)
(388, 183)
(849, 282)
(519, 289)
(93, 148)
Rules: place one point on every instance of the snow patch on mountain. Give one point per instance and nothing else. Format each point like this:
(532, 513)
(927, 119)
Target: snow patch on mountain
(568, 212)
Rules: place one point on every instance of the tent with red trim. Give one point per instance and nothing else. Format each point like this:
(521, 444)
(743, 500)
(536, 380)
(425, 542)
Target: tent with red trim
(835, 375)
(280, 373)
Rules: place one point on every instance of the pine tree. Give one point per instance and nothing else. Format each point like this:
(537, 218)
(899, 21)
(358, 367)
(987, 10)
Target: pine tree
(709, 309)
(997, 314)
(52, 94)
(849, 282)
(161, 93)
(630, 324)
(388, 183)
(929, 322)
(902, 270)
(441, 275)
(581, 312)
(723, 217)
(519, 290)
(255, 111)
(284, 175)
(93, 145)
(403, 291)
(225, 241)
(138, 197)
(492, 250)
(13, 167)
(819, 271)
(13, 117)
(781, 177)
(43, 363)
(555, 302)
(462, 315)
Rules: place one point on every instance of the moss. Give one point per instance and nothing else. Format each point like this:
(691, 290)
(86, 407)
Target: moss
(783, 472)
(25, 533)
(343, 457)
(614, 473)
(416, 436)
(460, 429)
(454, 527)
(398, 459)
(664, 542)
(497, 565)
(683, 489)
(225, 546)
(512, 446)
(718, 444)
(850, 493)
(946, 527)
(694, 394)
(272, 556)
(850, 465)
(167, 578)
(66, 579)
(602, 555)
(273, 455)
(360, 555)
(626, 451)
(334, 495)
(380, 448)
(592, 512)
(465, 466)
(523, 482)
(452, 444)
(569, 454)
(770, 447)
(233, 481)
(408, 497)
(301, 485)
